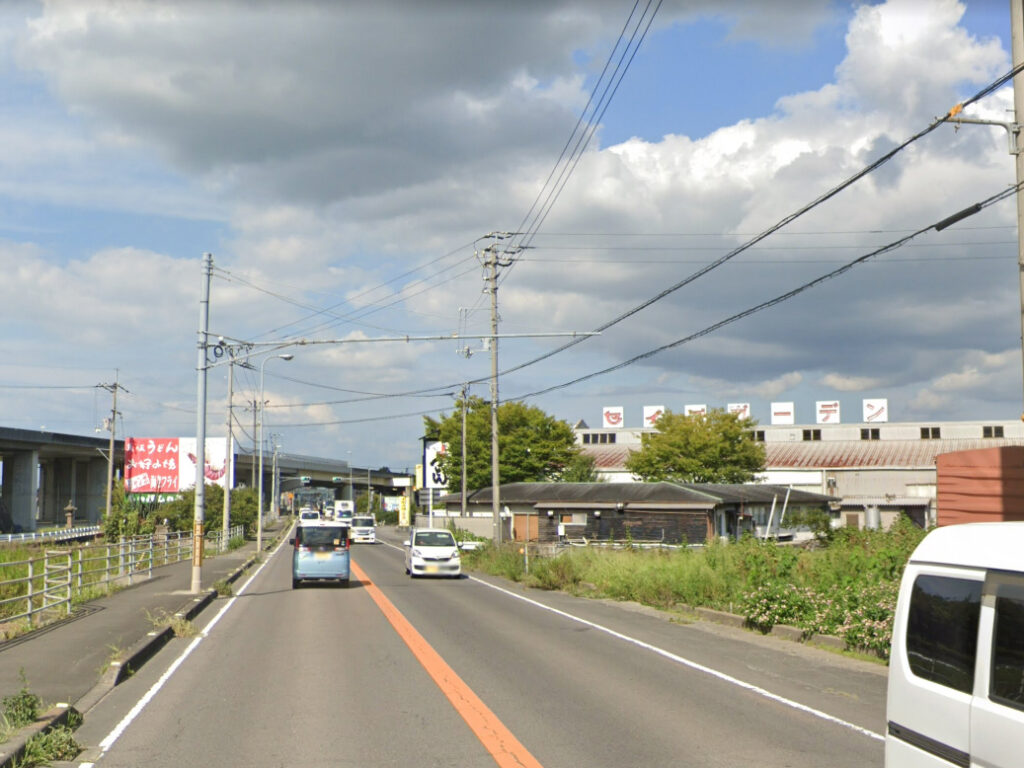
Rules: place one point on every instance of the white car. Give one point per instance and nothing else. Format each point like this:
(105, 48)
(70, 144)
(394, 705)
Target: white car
(432, 552)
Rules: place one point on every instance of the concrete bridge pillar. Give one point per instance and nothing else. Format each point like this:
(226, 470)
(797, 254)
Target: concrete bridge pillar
(21, 488)
(92, 490)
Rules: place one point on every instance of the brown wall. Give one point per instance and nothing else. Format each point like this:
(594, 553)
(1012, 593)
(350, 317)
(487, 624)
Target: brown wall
(985, 485)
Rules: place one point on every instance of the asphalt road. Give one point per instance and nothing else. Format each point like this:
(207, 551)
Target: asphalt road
(477, 672)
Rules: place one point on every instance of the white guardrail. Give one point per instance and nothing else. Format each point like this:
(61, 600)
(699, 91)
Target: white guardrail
(57, 534)
(43, 588)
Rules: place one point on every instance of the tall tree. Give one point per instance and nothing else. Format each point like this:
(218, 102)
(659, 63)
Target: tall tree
(716, 447)
(532, 445)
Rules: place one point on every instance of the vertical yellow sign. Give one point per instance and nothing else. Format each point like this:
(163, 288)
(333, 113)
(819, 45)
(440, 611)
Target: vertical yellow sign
(403, 511)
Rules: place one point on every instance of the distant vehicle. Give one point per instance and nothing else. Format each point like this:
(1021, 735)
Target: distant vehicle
(321, 552)
(956, 669)
(432, 552)
(364, 529)
(343, 510)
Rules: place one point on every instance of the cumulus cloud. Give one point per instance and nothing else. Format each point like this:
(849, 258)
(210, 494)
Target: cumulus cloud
(353, 159)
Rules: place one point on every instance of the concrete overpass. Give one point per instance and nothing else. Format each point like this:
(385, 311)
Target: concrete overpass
(45, 471)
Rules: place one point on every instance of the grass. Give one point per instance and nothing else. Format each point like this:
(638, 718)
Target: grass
(57, 743)
(845, 586)
(180, 626)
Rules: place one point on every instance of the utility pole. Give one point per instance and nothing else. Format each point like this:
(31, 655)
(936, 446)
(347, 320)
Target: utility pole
(465, 389)
(112, 388)
(229, 465)
(1017, 55)
(491, 261)
(200, 505)
(255, 404)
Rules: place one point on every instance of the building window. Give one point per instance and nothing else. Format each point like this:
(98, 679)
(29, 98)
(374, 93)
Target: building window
(759, 435)
(930, 433)
(586, 439)
(604, 437)
(991, 431)
(611, 437)
(942, 630)
(871, 433)
(812, 434)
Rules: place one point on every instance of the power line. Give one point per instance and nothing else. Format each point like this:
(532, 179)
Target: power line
(772, 302)
(828, 195)
(535, 218)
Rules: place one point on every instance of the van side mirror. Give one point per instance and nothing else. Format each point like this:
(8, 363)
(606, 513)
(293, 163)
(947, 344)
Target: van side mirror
(292, 541)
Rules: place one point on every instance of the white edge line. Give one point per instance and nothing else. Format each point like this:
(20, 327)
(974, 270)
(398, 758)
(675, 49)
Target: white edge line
(691, 664)
(684, 661)
(109, 740)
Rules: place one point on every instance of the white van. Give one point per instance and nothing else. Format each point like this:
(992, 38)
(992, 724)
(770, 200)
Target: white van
(364, 529)
(956, 670)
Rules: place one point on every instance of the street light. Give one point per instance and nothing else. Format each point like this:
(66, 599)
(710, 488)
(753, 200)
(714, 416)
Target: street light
(259, 511)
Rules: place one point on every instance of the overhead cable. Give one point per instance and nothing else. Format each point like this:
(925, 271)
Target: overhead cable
(772, 302)
(870, 168)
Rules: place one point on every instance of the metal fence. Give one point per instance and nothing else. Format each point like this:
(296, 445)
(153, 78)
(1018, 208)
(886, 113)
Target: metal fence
(43, 588)
(57, 534)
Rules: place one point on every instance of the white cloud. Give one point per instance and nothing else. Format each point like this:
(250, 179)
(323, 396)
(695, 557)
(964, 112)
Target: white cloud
(341, 147)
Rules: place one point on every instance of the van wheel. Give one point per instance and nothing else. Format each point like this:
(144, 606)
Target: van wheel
(295, 583)
(345, 583)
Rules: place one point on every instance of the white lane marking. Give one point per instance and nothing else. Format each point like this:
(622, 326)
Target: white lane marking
(109, 740)
(684, 661)
(689, 663)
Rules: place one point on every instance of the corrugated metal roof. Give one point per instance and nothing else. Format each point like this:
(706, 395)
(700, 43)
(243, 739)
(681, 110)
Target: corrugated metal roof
(702, 494)
(840, 454)
(846, 454)
(608, 493)
(608, 456)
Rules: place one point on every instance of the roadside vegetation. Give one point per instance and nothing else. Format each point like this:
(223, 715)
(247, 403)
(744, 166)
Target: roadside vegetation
(23, 708)
(845, 584)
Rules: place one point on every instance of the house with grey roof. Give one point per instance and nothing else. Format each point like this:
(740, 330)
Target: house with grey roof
(642, 512)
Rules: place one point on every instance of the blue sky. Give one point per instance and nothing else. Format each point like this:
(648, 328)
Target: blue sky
(348, 159)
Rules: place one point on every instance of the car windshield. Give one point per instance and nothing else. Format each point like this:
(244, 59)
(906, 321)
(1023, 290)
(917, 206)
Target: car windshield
(435, 539)
(363, 522)
(331, 535)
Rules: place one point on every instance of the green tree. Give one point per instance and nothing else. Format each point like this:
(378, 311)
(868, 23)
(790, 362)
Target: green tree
(717, 447)
(580, 469)
(532, 445)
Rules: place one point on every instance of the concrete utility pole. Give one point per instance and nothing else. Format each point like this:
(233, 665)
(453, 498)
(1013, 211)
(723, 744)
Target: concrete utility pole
(491, 261)
(259, 495)
(465, 390)
(112, 388)
(229, 464)
(1017, 52)
(200, 505)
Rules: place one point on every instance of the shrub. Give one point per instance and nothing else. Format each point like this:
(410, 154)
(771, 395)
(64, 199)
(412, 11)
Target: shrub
(22, 707)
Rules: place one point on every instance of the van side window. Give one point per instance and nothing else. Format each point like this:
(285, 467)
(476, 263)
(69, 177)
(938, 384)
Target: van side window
(1008, 648)
(942, 630)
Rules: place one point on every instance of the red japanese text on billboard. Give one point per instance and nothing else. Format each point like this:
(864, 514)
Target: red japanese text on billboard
(151, 464)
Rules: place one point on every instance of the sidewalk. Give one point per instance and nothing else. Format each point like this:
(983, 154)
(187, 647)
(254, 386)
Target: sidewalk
(69, 662)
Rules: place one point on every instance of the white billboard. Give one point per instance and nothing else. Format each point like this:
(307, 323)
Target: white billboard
(740, 409)
(612, 416)
(876, 409)
(433, 477)
(652, 413)
(783, 413)
(695, 410)
(827, 411)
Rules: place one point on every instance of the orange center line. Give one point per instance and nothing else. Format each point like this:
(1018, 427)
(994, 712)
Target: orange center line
(498, 740)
